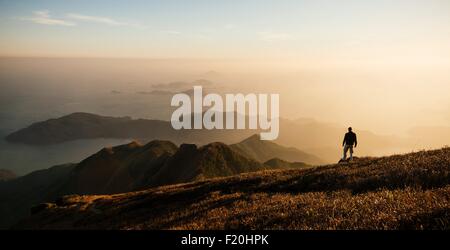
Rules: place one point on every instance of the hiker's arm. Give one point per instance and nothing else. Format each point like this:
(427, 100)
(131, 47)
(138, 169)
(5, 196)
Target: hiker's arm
(343, 142)
(356, 141)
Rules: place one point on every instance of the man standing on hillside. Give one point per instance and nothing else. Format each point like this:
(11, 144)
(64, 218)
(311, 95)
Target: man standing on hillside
(349, 141)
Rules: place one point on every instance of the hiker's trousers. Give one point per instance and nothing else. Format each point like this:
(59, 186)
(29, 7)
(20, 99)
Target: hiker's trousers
(346, 149)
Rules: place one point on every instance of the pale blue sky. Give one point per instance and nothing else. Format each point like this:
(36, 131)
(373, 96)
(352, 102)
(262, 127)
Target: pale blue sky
(224, 28)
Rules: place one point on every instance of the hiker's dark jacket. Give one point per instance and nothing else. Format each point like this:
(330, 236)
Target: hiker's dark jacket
(350, 139)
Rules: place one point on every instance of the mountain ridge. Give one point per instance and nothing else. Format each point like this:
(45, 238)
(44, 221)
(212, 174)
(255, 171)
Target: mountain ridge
(82, 125)
(310, 136)
(125, 168)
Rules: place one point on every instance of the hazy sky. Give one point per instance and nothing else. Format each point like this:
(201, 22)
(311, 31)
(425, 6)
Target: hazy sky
(381, 65)
(403, 31)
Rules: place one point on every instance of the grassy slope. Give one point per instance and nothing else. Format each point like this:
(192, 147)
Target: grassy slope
(403, 191)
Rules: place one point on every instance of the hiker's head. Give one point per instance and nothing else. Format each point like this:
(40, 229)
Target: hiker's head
(349, 129)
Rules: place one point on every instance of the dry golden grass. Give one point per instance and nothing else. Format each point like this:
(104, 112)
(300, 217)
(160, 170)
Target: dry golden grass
(409, 191)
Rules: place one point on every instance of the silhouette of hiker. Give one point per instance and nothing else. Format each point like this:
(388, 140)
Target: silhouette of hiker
(349, 141)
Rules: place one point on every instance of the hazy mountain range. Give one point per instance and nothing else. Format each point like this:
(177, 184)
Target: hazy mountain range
(317, 138)
(90, 126)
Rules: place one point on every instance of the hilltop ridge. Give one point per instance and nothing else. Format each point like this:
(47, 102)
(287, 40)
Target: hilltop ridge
(410, 191)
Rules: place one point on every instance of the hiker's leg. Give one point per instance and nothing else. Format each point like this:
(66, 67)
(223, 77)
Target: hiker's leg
(345, 153)
(351, 152)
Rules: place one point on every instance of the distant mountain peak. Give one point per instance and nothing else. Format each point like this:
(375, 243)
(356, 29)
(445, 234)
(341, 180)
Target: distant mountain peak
(79, 114)
(275, 159)
(262, 151)
(129, 146)
(134, 144)
(86, 115)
